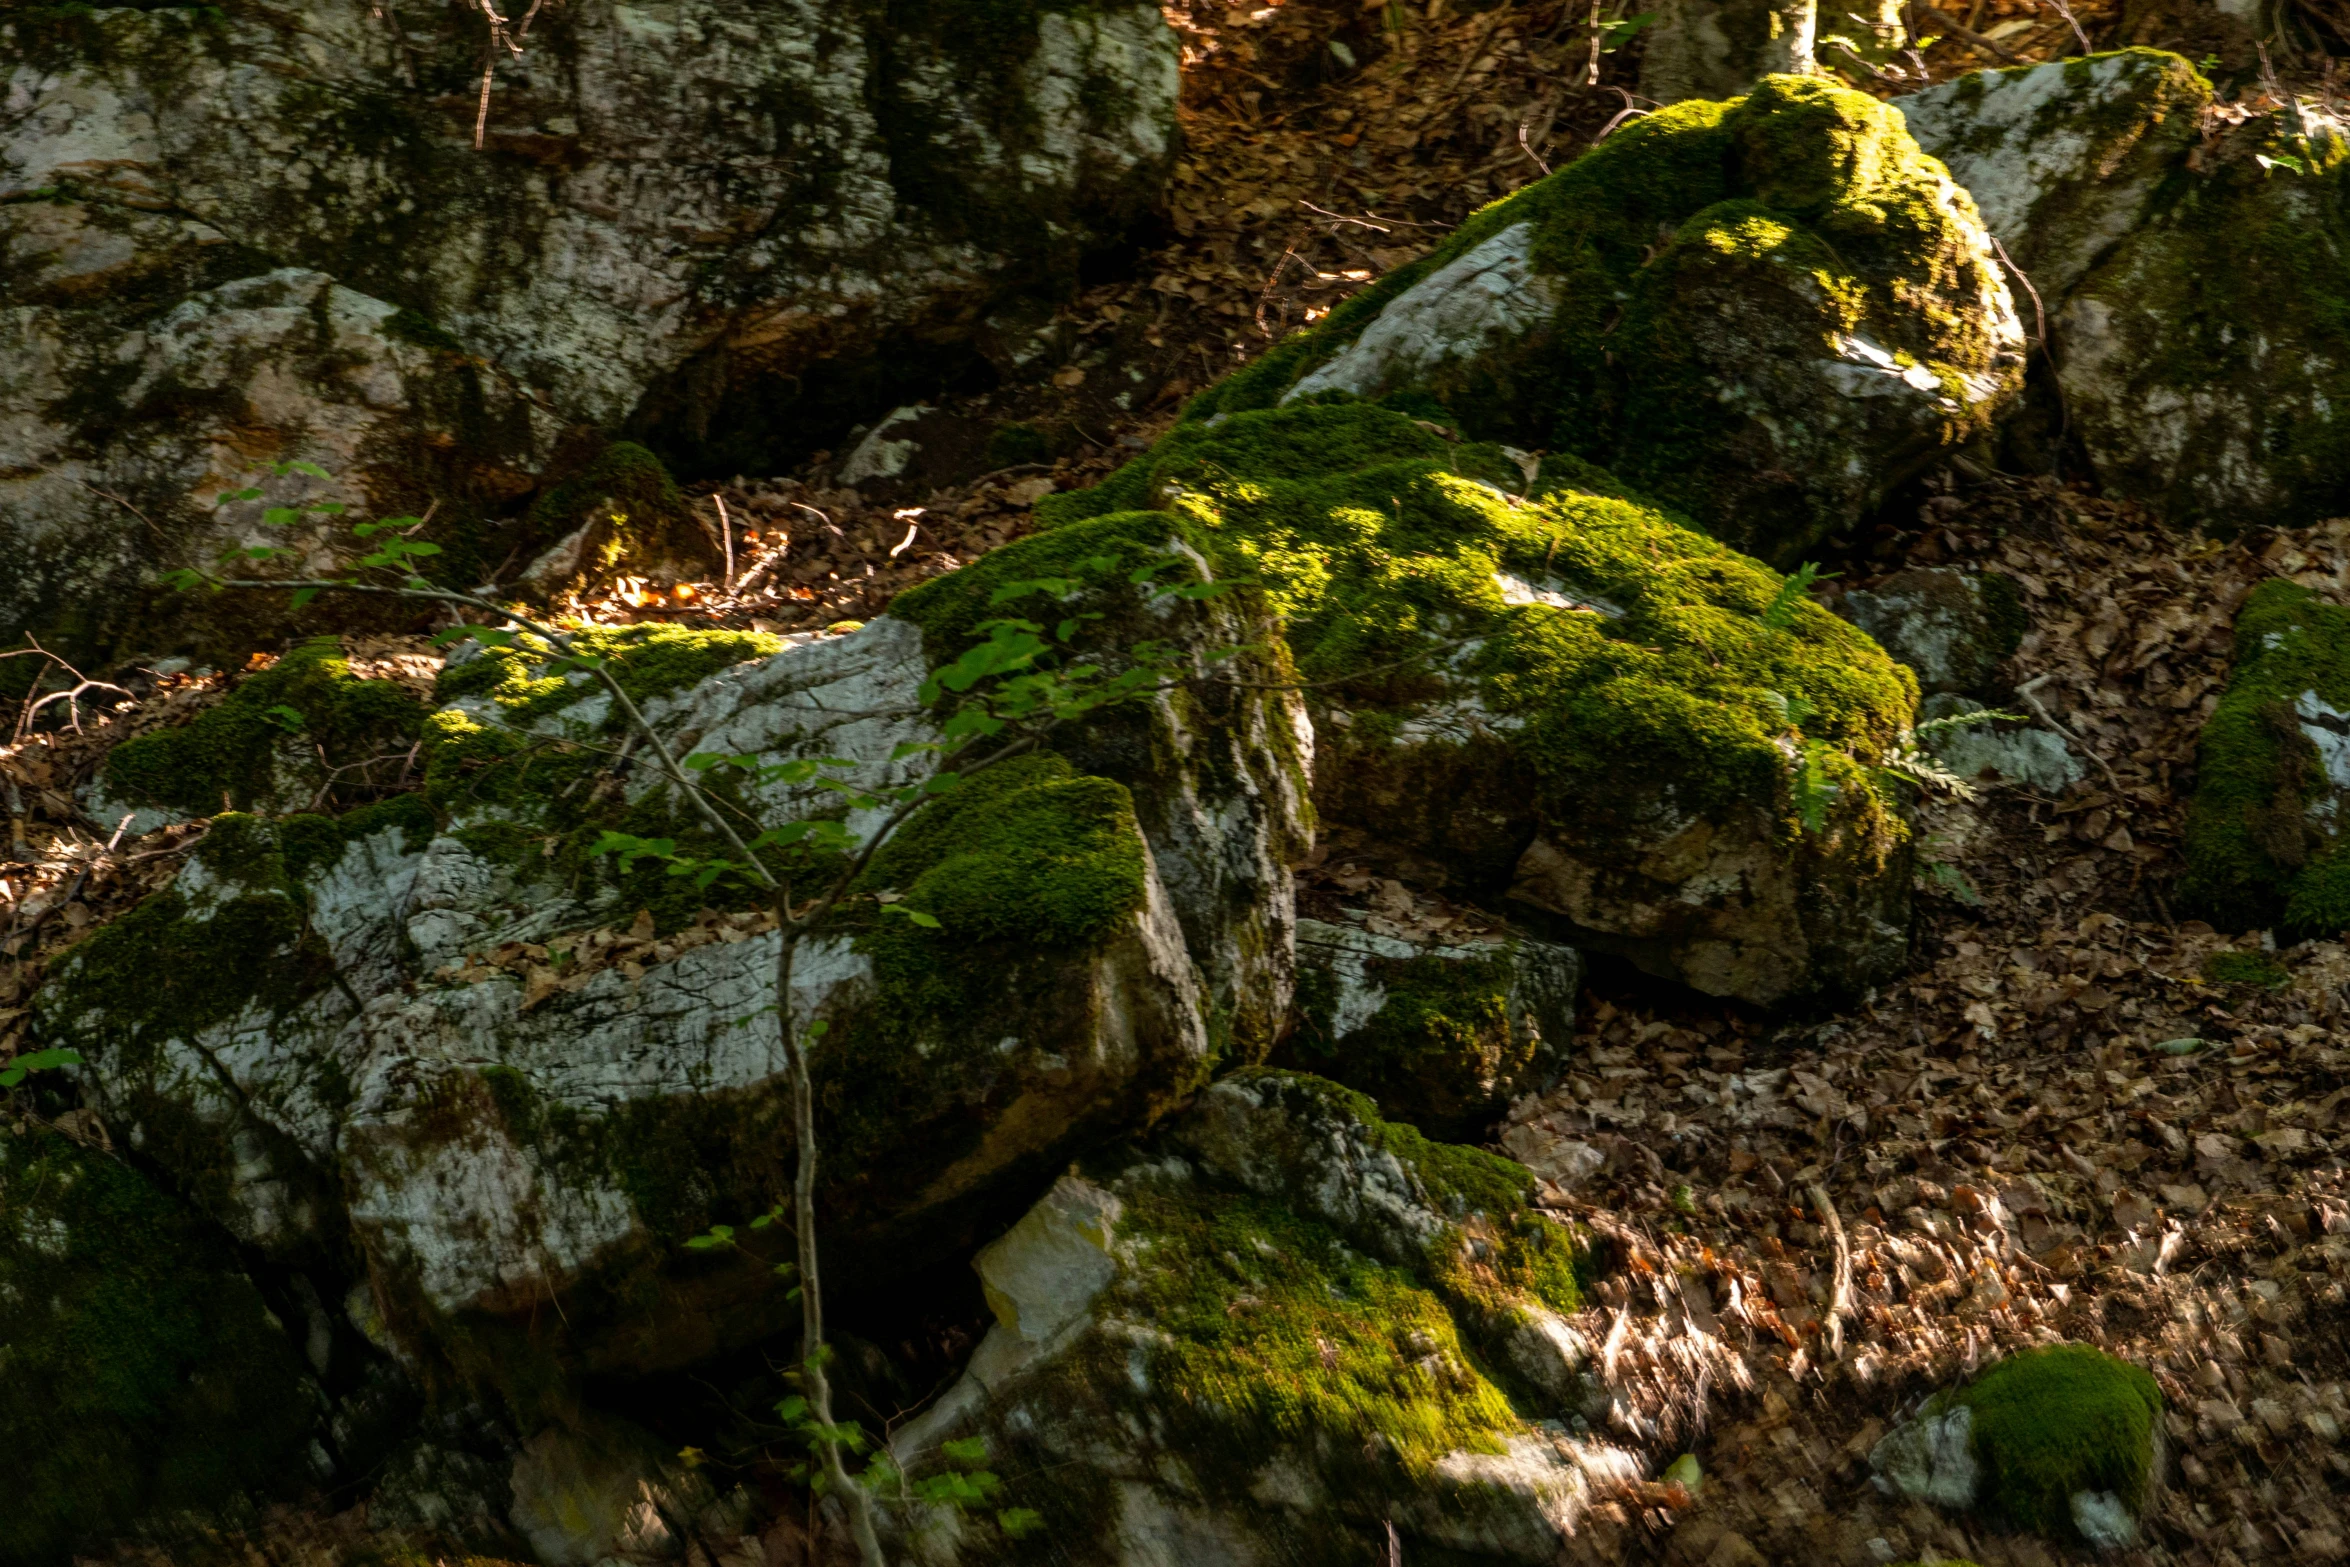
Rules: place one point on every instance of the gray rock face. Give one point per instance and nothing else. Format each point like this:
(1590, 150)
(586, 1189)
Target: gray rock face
(637, 239)
(1954, 628)
(1442, 1034)
(2187, 286)
(1930, 1459)
(1093, 1370)
(482, 1134)
(2063, 159)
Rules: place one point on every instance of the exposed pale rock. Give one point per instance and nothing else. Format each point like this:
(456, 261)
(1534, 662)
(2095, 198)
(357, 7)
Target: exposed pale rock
(1954, 628)
(2063, 159)
(1930, 1459)
(483, 1134)
(741, 258)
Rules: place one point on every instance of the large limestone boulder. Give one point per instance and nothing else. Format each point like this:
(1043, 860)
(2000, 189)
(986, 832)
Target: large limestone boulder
(518, 1077)
(2265, 834)
(267, 233)
(1764, 313)
(1283, 1326)
(2191, 289)
(1527, 690)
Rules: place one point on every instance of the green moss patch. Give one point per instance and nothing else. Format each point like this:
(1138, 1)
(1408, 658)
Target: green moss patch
(1679, 248)
(648, 660)
(141, 1374)
(2264, 835)
(1441, 1050)
(1375, 540)
(2050, 1422)
(1278, 1335)
(270, 728)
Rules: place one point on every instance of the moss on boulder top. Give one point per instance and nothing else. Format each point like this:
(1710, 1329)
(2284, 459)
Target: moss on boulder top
(2265, 835)
(1764, 313)
(1563, 675)
(270, 742)
(2061, 1440)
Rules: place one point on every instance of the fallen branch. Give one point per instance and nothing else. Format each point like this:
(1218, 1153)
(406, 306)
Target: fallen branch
(2026, 691)
(1967, 35)
(1840, 1294)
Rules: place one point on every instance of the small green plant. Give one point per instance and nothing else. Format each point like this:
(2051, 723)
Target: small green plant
(15, 1072)
(1779, 614)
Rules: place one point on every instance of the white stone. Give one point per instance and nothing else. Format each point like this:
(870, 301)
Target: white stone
(1930, 1459)
(1484, 296)
(2104, 1520)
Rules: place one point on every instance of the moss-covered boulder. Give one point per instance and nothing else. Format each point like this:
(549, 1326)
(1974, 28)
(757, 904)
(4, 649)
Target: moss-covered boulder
(238, 233)
(145, 1385)
(1265, 1337)
(1764, 313)
(1441, 1034)
(2265, 835)
(1547, 693)
(2064, 1441)
(2194, 291)
(511, 1072)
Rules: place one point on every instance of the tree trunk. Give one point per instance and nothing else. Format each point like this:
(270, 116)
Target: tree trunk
(1721, 48)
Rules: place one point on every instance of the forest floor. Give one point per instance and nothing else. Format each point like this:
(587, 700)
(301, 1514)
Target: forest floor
(2056, 1125)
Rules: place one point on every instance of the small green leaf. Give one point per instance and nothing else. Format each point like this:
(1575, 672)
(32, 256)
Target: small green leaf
(310, 468)
(1019, 1523)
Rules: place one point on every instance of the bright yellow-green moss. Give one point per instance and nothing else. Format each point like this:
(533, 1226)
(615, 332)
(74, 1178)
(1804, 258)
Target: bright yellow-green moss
(1498, 1253)
(2263, 838)
(231, 755)
(1276, 1334)
(2050, 1422)
(141, 1375)
(1376, 540)
(1806, 202)
(648, 660)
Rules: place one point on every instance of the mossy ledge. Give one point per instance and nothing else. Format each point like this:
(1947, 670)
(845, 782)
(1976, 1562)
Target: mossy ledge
(2264, 837)
(259, 745)
(1605, 641)
(1799, 216)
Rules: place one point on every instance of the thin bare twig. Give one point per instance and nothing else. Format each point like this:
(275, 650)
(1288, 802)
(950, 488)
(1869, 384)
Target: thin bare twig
(1840, 1292)
(2028, 692)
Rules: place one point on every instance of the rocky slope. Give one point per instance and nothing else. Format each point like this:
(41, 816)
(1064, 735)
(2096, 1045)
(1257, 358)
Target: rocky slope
(409, 1110)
